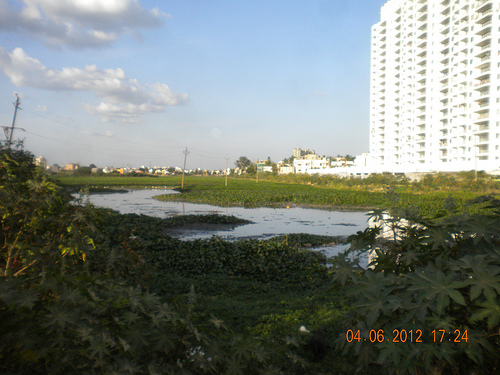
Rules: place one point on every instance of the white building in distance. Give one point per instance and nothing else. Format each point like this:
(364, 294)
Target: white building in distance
(435, 86)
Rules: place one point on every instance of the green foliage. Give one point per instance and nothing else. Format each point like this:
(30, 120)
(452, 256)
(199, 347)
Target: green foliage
(278, 259)
(250, 194)
(87, 290)
(83, 171)
(204, 219)
(426, 275)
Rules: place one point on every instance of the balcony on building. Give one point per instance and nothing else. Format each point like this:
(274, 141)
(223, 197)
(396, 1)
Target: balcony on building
(480, 4)
(423, 43)
(444, 82)
(484, 114)
(482, 138)
(483, 48)
(421, 84)
(420, 95)
(481, 105)
(445, 42)
(482, 149)
(482, 93)
(484, 37)
(422, 9)
(484, 25)
(484, 9)
(445, 8)
(444, 112)
(482, 82)
(481, 125)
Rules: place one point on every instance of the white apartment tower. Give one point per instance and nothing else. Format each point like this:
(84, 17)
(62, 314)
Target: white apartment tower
(435, 86)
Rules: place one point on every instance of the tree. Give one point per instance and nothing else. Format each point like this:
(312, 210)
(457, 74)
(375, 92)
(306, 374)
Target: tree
(269, 163)
(289, 160)
(243, 163)
(83, 171)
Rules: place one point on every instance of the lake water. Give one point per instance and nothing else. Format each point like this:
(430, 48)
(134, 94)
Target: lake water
(266, 222)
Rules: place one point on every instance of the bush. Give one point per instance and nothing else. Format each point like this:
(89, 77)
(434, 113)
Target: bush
(73, 298)
(437, 280)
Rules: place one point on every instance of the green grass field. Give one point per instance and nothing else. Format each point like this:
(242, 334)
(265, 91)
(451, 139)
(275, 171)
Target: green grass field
(249, 193)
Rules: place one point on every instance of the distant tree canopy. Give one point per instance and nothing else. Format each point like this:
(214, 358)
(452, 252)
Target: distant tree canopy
(83, 171)
(243, 163)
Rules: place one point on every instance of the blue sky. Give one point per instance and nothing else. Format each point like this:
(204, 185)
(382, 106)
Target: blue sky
(135, 82)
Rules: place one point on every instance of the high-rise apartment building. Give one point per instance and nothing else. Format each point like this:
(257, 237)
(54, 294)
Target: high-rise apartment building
(435, 86)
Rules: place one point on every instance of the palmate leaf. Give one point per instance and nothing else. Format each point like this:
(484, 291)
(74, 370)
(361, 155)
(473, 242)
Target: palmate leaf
(485, 279)
(438, 238)
(409, 257)
(343, 269)
(373, 281)
(433, 284)
(490, 310)
(482, 227)
(373, 304)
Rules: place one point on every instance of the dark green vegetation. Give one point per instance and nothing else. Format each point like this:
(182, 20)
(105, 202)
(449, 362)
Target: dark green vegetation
(86, 291)
(436, 280)
(90, 291)
(179, 221)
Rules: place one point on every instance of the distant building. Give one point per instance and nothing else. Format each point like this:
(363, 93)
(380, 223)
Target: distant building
(286, 169)
(260, 165)
(435, 86)
(41, 162)
(54, 168)
(72, 166)
(304, 165)
(299, 153)
(362, 161)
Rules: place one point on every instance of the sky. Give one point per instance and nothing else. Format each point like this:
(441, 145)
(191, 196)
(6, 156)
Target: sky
(137, 82)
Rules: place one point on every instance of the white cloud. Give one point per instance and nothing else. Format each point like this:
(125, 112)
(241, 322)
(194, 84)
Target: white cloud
(79, 23)
(122, 98)
(41, 108)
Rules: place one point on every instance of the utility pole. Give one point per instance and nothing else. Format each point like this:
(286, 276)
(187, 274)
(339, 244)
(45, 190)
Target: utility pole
(9, 141)
(186, 152)
(227, 166)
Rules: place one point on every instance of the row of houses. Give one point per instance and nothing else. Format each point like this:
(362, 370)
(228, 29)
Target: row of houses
(304, 161)
(309, 162)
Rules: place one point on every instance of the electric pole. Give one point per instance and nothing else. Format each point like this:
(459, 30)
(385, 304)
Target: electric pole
(186, 152)
(257, 164)
(227, 166)
(9, 140)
